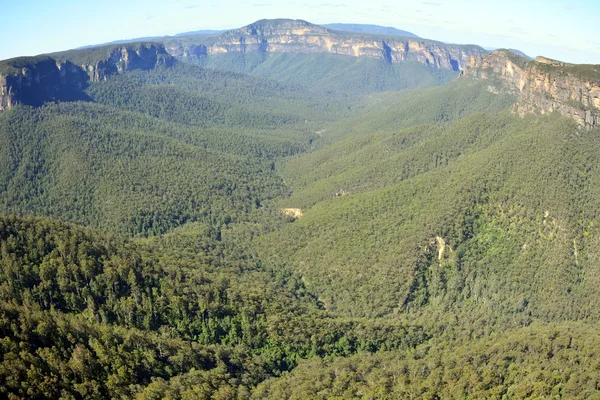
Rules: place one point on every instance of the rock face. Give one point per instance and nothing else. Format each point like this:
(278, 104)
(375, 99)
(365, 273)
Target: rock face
(544, 85)
(64, 76)
(35, 80)
(297, 36)
(125, 58)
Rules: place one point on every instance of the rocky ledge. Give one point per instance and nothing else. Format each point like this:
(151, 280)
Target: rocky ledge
(297, 36)
(544, 85)
(64, 76)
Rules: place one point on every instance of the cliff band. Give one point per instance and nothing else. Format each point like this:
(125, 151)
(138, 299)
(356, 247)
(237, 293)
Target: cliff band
(544, 85)
(297, 36)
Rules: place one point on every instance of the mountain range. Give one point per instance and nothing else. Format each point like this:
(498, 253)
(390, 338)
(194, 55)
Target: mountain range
(288, 210)
(372, 29)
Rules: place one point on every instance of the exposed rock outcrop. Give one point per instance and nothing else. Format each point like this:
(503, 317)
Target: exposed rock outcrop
(293, 212)
(544, 85)
(297, 36)
(34, 80)
(64, 76)
(122, 58)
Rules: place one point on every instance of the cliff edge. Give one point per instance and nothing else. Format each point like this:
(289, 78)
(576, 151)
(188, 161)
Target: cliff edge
(64, 76)
(298, 36)
(543, 85)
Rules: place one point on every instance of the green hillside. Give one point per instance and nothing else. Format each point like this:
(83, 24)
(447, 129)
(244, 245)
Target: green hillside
(520, 194)
(533, 362)
(399, 135)
(323, 72)
(435, 244)
(101, 316)
(156, 149)
(102, 167)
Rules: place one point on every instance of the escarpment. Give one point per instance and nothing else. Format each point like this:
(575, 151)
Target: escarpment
(101, 62)
(64, 76)
(544, 85)
(35, 80)
(297, 36)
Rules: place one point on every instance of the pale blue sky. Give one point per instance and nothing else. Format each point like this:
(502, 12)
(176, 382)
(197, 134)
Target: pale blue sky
(568, 30)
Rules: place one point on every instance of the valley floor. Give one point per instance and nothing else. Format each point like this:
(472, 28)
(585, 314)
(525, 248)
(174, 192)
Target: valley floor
(189, 232)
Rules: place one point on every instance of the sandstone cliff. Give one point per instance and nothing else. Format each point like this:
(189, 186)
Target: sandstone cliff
(299, 36)
(35, 80)
(544, 85)
(101, 62)
(64, 76)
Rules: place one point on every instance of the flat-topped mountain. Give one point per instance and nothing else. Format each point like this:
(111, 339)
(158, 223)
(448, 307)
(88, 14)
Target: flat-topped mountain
(104, 61)
(63, 76)
(373, 29)
(544, 85)
(298, 36)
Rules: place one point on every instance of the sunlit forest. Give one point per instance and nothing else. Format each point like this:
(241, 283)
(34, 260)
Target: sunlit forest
(441, 246)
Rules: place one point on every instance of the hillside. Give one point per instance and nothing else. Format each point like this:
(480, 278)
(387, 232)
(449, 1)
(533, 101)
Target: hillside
(64, 76)
(544, 85)
(180, 315)
(460, 223)
(290, 211)
(167, 146)
(527, 363)
(330, 74)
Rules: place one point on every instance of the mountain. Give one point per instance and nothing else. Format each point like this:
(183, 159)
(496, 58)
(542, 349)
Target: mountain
(371, 29)
(246, 220)
(544, 85)
(330, 74)
(298, 36)
(520, 53)
(262, 46)
(125, 41)
(149, 39)
(515, 51)
(63, 76)
(200, 32)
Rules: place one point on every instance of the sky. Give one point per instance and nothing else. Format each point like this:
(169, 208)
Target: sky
(567, 30)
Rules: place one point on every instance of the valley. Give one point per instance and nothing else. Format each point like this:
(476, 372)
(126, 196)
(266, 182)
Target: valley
(287, 210)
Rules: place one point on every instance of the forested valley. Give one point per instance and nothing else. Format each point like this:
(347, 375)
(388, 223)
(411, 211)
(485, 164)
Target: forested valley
(302, 226)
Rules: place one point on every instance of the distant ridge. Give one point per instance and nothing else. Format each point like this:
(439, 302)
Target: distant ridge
(520, 53)
(200, 32)
(63, 76)
(298, 36)
(371, 29)
(152, 38)
(123, 41)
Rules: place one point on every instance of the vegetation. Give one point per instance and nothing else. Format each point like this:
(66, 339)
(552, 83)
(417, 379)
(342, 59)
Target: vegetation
(74, 161)
(589, 72)
(179, 155)
(329, 73)
(14, 66)
(94, 55)
(533, 362)
(90, 315)
(514, 201)
(446, 247)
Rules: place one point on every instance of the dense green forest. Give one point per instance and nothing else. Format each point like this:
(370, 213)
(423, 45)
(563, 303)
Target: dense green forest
(461, 221)
(444, 248)
(93, 315)
(540, 361)
(328, 73)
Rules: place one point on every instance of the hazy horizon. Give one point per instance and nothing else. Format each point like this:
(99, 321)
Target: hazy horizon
(559, 29)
